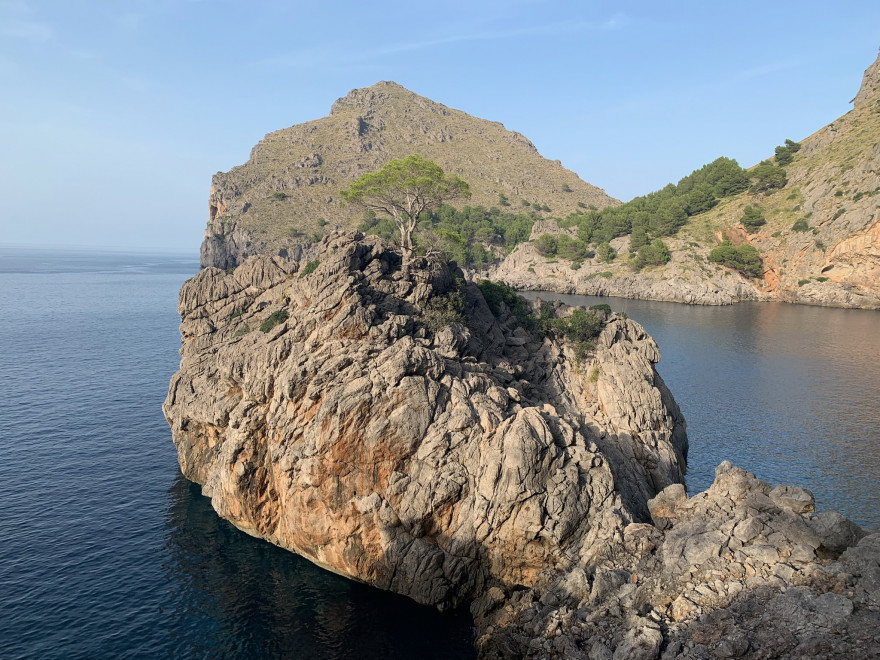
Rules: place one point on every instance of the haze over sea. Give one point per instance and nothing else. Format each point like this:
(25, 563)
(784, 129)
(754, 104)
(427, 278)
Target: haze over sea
(108, 552)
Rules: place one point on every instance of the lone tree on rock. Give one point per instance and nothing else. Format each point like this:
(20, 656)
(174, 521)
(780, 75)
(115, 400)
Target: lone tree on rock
(404, 188)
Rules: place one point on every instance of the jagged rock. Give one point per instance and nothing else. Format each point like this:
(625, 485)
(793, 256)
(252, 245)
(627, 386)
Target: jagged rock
(732, 575)
(392, 452)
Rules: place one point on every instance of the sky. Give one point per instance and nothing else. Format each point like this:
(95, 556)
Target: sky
(114, 114)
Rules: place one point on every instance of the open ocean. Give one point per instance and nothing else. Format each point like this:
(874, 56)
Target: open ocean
(107, 552)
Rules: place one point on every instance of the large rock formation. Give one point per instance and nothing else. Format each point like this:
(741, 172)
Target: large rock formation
(287, 194)
(391, 428)
(369, 434)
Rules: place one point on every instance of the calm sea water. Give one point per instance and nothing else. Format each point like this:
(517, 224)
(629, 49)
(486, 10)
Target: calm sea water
(106, 552)
(789, 392)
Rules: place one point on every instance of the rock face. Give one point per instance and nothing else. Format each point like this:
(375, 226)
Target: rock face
(741, 570)
(428, 458)
(391, 428)
(287, 194)
(683, 280)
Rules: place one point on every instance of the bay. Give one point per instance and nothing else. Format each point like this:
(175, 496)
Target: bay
(788, 392)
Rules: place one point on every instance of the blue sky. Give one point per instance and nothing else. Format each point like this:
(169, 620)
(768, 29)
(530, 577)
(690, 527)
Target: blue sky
(114, 114)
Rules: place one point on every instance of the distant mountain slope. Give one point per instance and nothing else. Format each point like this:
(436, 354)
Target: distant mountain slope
(288, 191)
(820, 244)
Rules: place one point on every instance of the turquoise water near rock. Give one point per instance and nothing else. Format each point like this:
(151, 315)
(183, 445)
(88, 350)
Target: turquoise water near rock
(789, 392)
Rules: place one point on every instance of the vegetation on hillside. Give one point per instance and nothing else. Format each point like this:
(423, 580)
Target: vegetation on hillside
(743, 258)
(663, 212)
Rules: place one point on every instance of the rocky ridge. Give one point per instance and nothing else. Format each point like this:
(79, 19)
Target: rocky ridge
(390, 428)
(287, 194)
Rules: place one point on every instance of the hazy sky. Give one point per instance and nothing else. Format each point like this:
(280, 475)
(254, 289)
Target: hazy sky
(114, 114)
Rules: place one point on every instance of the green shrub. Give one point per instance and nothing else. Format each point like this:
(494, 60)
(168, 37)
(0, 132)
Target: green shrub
(752, 218)
(822, 279)
(309, 268)
(576, 264)
(800, 225)
(278, 196)
(820, 245)
(275, 318)
(837, 214)
(502, 199)
(243, 330)
(547, 244)
(606, 274)
(497, 294)
(785, 153)
(655, 254)
(441, 311)
(593, 376)
(744, 258)
(802, 282)
(566, 187)
(601, 307)
(766, 177)
(605, 253)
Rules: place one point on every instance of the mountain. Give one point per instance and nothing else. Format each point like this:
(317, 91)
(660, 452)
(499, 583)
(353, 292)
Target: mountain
(287, 194)
(820, 244)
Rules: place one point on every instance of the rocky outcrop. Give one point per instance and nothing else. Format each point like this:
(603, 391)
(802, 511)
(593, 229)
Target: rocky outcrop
(389, 427)
(830, 257)
(340, 414)
(741, 570)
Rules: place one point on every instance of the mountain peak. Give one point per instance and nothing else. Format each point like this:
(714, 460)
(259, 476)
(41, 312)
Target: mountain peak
(367, 99)
(870, 89)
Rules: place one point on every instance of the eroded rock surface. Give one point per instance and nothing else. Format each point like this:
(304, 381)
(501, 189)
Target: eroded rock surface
(433, 459)
(338, 409)
(741, 570)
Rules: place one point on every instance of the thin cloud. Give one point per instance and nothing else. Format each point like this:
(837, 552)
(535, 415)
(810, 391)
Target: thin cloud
(35, 31)
(546, 30)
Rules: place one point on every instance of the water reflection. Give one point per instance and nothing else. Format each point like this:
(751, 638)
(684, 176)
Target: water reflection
(790, 392)
(236, 596)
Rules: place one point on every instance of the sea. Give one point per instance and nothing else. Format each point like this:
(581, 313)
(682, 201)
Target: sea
(106, 551)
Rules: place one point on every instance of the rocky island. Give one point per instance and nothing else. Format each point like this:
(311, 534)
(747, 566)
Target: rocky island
(400, 429)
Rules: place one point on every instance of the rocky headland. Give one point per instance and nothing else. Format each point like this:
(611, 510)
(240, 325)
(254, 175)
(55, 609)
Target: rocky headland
(393, 426)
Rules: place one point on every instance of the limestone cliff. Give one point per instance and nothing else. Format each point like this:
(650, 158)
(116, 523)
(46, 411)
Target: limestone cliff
(287, 194)
(387, 444)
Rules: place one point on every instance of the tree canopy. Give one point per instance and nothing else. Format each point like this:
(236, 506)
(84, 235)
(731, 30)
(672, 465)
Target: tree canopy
(403, 188)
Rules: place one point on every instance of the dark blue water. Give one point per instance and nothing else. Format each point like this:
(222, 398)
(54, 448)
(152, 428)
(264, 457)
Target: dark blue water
(105, 550)
(789, 392)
